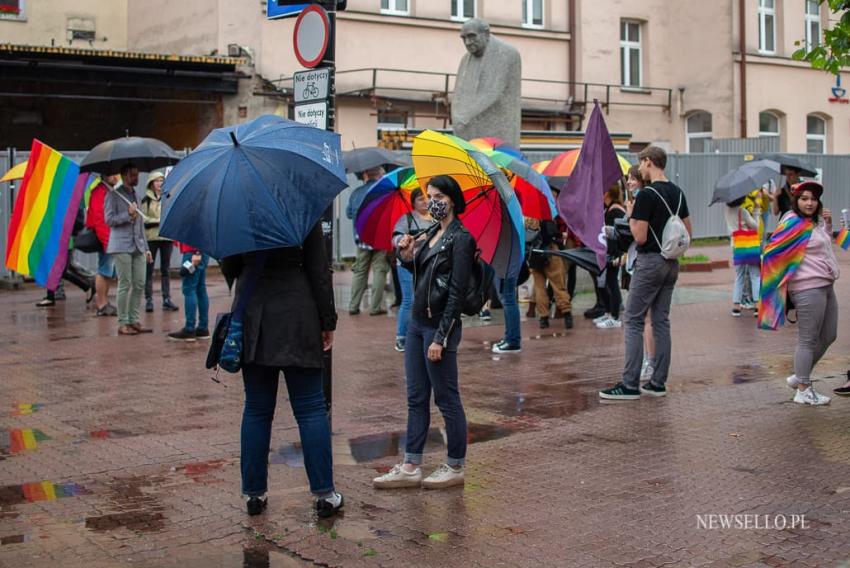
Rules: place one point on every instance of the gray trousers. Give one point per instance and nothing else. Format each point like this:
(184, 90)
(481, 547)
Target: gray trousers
(377, 260)
(131, 285)
(817, 320)
(651, 288)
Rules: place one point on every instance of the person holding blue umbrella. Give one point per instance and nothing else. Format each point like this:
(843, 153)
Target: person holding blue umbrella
(252, 195)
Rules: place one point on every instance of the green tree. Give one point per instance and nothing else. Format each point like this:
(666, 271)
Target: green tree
(834, 52)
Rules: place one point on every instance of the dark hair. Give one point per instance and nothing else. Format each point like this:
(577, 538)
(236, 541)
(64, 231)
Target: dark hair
(414, 195)
(796, 207)
(656, 155)
(615, 194)
(737, 202)
(127, 167)
(634, 172)
(448, 186)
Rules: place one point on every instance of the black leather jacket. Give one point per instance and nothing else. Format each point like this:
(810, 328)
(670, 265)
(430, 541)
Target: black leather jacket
(441, 276)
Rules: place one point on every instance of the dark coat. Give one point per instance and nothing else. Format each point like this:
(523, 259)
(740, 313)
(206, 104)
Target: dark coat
(292, 304)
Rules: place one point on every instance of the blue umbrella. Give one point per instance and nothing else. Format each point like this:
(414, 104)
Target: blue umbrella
(259, 185)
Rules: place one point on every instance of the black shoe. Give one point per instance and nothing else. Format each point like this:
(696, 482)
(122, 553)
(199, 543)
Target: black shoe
(353, 312)
(594, 312)
(256, 505)
(108, 311)
(182, 335)
(149, 305)
(544, 323)
(168, 305)
(619, 392)
(652, 390)
(399, 344)
(568, 321)
(202, 333)
(327, 507)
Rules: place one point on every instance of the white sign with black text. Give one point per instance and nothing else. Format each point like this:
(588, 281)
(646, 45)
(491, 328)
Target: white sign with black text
(313, 114)
(311, 85)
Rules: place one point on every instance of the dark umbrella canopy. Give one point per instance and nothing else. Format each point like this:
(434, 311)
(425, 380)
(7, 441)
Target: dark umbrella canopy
(363, 159)
(259, 185)
(147, 154)
(582, 257)
(743, 180)
(807, 169)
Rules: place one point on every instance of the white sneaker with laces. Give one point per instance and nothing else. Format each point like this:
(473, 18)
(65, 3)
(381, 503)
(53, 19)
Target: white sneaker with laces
(792, 381)
(610, 323)
(810, 396)
(601, 318)
(443, 476)
(398, 477)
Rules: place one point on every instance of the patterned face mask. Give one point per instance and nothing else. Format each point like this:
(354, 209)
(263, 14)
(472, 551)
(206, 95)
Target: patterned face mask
(439, 210)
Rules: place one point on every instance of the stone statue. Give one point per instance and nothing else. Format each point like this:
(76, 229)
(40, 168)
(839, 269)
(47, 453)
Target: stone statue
(486, 99)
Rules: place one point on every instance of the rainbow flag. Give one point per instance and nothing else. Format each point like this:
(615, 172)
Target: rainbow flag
(44, 214)
(783, 254)
(843, 239)
(746, 248)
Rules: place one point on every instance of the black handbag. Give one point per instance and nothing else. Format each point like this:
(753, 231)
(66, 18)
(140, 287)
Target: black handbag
(87, 241)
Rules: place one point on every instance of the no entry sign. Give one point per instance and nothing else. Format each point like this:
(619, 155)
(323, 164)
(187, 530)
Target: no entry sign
(312, 32)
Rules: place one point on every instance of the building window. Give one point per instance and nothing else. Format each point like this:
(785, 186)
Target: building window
(12, 10)
(768, 125)
(463, 9)
(630, 54)
(396, 7)
(698, 131)
(767, 26)
(532, 13)
(812, 24)
(815, 135)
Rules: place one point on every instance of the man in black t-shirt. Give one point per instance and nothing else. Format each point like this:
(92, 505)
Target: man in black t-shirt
(782, 198)
(653, 280)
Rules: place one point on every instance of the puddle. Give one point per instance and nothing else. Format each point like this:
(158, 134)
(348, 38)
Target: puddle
(24, 409)
(198, 471)
(139, 521)
(20, 439)
(541, 400)
(110, 434)
(13, 539)
(39, 491)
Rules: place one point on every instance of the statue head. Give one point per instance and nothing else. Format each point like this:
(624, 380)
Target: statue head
(475, 35)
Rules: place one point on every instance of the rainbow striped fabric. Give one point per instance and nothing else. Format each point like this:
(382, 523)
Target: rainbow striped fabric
(843, 239)
(783, 254)
(746, 248)
(44, 215)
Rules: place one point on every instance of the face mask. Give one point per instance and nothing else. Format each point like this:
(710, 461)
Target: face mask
(439, 210)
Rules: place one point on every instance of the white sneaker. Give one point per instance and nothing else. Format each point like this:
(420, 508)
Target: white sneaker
(443, 476)
(792, 381)
(810, 396)
(398, 477)
(601, 318)
(610, 323)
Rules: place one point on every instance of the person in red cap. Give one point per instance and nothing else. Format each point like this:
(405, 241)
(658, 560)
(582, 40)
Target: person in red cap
(811, 290)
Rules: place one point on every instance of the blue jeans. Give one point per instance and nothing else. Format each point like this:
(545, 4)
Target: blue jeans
(195, 297)
(405, 280)
(507, 294)
(423, 376)
(744, 272)
(308, 406)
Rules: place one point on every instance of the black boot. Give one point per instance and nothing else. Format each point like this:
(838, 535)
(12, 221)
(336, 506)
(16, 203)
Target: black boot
(544, 322)
(568, 321)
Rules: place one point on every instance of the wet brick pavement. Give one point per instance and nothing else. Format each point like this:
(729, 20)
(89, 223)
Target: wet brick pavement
(120, 451)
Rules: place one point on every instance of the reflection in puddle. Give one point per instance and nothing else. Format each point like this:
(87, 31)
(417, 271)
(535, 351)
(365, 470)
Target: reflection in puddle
(24, 409)
(141, 521)
(20, 439)
(39, 491)
(391, 444)
(107, 434)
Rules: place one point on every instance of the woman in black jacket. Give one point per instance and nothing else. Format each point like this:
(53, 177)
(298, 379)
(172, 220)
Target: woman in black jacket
(288, 322)
(441, 261)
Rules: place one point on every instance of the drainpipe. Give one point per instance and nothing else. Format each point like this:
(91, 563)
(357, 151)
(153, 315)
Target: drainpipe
(742, 36)
(572, 52)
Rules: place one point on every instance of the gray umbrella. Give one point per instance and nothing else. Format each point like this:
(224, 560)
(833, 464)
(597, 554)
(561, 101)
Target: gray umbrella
(363, 159)
(787, 160)
(744, 179)
(145, 153)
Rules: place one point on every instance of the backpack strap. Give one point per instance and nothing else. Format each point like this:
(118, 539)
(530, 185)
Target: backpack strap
(664, 201)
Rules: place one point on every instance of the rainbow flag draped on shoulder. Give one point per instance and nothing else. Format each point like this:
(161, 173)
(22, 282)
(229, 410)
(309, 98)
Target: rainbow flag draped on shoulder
(782, 256)
(44, 213)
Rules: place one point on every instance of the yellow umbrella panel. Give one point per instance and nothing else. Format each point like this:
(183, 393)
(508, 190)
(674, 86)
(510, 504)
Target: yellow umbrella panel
(14, 173)
(436, 154)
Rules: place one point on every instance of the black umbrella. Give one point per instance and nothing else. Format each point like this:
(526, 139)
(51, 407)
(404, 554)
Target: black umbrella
(146, 154)
(743, 180)
(786, 160)
(583, 257)
(363, 159)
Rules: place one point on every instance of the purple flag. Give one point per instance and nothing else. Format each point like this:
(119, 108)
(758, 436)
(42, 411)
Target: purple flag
(597, 169)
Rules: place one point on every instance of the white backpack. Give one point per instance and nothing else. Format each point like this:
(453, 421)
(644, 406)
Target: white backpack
(675, 239)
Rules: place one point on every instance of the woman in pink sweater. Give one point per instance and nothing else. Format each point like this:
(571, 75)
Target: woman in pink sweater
(811, 289)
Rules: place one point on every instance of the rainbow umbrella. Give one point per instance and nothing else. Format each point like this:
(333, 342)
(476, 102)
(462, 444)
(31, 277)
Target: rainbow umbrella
(559, 168)
(15, 172)
(493, 214)
(492, 144)
(384, 203)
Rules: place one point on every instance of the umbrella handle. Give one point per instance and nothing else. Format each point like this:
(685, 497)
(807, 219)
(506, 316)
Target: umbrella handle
(128, 202)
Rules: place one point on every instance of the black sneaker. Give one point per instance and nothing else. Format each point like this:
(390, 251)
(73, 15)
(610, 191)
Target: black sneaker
(506, 347)
(484, 315)
(399, 344)
(544, 323)
(328, 506)
(202, 333)
(594, 312)
(652, 390)
(169, 306)
(182, 335)
(256, 505)
(107, 311)
(619, 392)
(568, 321)
(149, 305)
